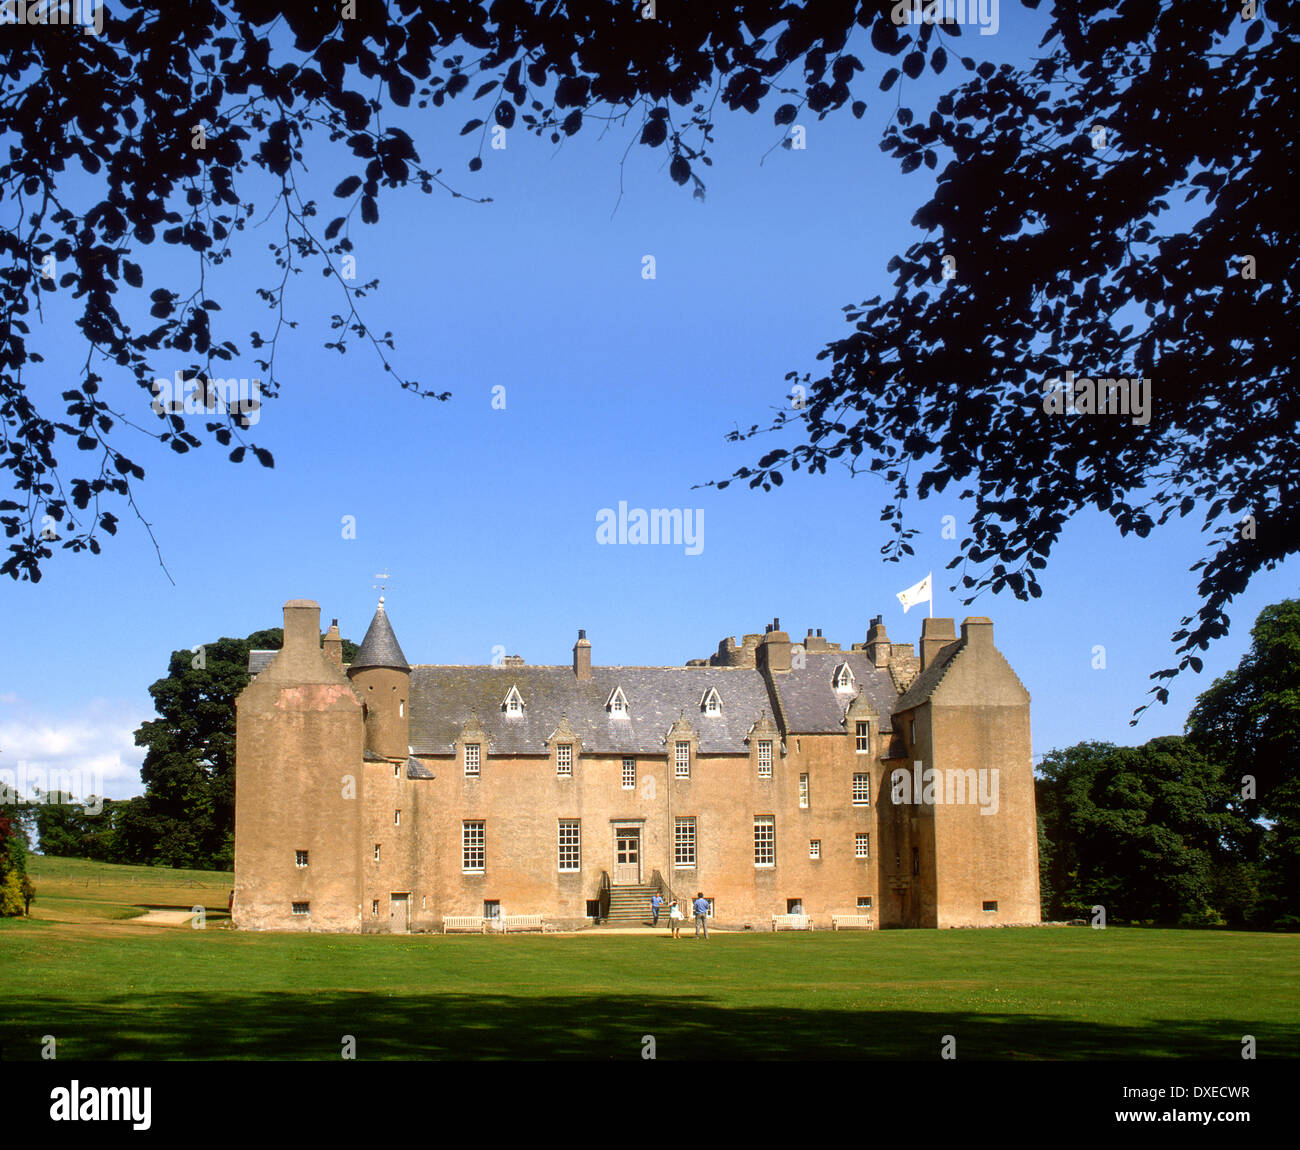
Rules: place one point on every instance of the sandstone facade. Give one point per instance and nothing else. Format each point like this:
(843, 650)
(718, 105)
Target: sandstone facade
(773, 776)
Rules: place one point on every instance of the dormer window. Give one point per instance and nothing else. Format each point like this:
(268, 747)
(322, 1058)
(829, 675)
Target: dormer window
(514, 704)
(711, 704)
(616, 704)
(844, 677)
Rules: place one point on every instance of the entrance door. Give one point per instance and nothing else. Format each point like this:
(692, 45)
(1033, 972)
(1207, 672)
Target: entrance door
(399, 913)
(627, 857)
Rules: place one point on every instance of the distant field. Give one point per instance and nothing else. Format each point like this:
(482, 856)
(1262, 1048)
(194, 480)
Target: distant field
(122, 990)
(69, 890)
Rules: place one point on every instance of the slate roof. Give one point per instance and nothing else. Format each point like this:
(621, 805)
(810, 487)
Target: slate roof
(444, 698)
(380, 647)
(924, 684)
(260, 660)
(813, 706)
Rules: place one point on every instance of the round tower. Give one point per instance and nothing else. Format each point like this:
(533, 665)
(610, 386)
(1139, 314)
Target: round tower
(381, 678)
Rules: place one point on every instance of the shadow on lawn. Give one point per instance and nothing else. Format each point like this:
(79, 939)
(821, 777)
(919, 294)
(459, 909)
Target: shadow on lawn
(311, 1025)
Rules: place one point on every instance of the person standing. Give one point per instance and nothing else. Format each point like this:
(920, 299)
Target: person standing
(675, 917)
(656, 901)
(701, 916)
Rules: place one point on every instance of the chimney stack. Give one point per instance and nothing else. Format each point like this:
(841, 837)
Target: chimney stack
(936, 634)
(301, 625)
(582, 657)
(334, 645)
(878, 646)
(977, 631)
(774, 651)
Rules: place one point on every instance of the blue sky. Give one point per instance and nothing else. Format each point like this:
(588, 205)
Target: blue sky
(617, 388)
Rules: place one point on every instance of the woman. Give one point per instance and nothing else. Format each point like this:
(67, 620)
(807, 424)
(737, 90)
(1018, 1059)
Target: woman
(675, 917)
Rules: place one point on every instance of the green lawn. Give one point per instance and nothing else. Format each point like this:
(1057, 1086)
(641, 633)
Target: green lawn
(110, 990)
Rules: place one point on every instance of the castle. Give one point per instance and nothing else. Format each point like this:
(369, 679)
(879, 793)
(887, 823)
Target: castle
(775, 777)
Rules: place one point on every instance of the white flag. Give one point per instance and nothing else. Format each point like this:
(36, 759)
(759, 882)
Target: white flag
(921, 593)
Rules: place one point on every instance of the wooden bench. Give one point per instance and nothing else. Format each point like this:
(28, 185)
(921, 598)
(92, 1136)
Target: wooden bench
(792, 922)
(475, 922)
(852, 921)
(518, 922)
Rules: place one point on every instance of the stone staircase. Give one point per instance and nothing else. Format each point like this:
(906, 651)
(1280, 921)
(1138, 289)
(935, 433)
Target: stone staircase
(630, 906)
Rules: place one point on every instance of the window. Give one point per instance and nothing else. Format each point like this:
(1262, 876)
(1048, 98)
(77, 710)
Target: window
(916, 860)
(803, 790)
(990, 905)
(864, 902)
(492, 908)
(815, 849)
(794, 906)
(629, 774)
(684, 843)
(863, 737)
(473, 848)
(397, 818)
(843, 678)
(911, 727)
(764, 758)
(302, 908)
(300, 858)
(396, 770)
(472, 759)
(764, 840)
(712, 703)
(514, 702)
(374, 908)
(617, 702)
(570, 845)
(564, 759)
(401, 709)
(861, 789)
(376, 852)
(683, 752)
(862, 845)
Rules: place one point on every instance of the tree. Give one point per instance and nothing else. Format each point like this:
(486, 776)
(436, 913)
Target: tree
(1249, 719)
(1152, 833)
(186, 817)
(1051, 258)
(173, 116)
(13, 866)
(1050, 214)
(71, 828)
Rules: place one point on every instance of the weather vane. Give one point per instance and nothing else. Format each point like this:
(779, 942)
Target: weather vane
(381, 586)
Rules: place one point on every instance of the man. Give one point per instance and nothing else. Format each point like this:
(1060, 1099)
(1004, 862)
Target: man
(655, 903)
(701, 915)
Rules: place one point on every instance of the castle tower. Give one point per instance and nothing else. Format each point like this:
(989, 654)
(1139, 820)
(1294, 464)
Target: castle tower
(381, 678)
(298, 747)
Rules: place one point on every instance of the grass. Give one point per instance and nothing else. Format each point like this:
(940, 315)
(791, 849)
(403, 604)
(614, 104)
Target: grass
(119, 990)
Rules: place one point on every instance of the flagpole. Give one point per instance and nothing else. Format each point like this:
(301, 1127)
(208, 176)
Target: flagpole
(931, 578)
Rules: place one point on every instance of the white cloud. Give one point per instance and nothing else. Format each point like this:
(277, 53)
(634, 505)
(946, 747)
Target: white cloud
(96, 744)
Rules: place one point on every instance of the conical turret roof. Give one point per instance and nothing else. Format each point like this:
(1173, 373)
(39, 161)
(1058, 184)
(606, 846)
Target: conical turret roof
(380, 647)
